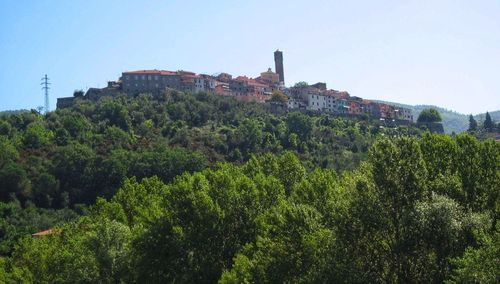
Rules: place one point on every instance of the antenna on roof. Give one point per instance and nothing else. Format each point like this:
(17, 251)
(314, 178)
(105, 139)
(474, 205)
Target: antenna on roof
(45, 86)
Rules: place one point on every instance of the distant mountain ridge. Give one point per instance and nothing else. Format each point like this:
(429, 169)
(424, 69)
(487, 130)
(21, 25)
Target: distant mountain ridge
(452, 121)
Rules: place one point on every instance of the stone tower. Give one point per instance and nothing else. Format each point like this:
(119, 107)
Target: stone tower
(278, 61)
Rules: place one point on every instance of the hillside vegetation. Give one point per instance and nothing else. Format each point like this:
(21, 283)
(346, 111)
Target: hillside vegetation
(452, 120)
(200, 188)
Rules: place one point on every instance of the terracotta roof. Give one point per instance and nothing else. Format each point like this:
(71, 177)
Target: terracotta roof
(47, 232)
(151, 72)
(257, 84)
(186, 73)
(143, 72)
(166, 73)
(242, 78)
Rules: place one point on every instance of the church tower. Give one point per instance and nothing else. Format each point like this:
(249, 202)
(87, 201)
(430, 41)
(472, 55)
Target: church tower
(278, 61)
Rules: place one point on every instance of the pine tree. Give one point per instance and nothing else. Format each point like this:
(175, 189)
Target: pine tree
(472, 124)
(488, 123)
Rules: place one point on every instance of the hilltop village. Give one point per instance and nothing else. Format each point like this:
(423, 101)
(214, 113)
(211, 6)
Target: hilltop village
(316, 97)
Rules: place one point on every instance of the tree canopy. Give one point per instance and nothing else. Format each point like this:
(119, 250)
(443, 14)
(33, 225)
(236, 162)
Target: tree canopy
(200, 188)
(428, 116)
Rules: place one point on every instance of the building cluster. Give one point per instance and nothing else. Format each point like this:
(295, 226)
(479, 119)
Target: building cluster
(260, 89)
(242, 87)
(318, 98)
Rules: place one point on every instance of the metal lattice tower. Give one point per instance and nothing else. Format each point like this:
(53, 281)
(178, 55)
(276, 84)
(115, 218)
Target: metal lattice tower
(45, 86)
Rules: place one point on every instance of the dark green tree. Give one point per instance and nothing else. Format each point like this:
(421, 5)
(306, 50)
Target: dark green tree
(299, 124)
(488, 123)
(78, 93)
(279, 97)
(472, 124)
(429, 115)
(301, 84)
(479, 265)
(13, 180)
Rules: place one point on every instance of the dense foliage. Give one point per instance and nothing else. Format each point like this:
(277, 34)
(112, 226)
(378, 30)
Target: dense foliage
(417, 211)
(73, 155)
(198, 188)
(487, 129)
(453, 121)
(429, 115)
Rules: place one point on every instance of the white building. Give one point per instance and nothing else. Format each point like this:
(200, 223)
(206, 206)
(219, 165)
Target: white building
(323, 102)
(204, 83)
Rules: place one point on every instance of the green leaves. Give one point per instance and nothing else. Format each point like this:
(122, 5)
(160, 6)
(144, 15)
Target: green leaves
(479, 265)
(36, 136)
(299, 124)
(293, 246)
(399, 172)
(429, 115)
(270, 220)
(168, 208)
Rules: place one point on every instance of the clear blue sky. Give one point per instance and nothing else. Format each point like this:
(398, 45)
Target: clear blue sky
(442, 52)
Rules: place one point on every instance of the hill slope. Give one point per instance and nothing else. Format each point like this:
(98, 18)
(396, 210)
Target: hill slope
(452, 120)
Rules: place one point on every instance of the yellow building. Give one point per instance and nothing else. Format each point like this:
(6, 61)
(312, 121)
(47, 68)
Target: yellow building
(270, 77)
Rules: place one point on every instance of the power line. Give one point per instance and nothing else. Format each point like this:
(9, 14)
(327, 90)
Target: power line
(45, 86)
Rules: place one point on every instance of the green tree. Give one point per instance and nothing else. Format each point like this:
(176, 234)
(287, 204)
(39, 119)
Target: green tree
(13, 180)
(488, 123)
(115, 113)
(82, 252)
(8, 152)
(72, 166)
(443, 230)
(279, 97)
(36, 136)
(489, 183)
(5, 128)
(301, 84)
(75, 124)
(428, 116)
(399, 175)
(439, 153)
(78, 93)
(472, 124)
(249, 135)
(294, 246)
(290, 171)
(469, 169)
(479, 265)
(45, 190)
(299, 124)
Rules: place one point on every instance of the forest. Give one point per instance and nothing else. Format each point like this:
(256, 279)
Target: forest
(198, 188)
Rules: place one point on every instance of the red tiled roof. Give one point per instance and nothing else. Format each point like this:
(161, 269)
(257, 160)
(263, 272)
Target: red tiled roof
(182, 72)
(242, 78)
(151, 72)
(143, 72)
(251, 81)
(165, 73)
(47, 232)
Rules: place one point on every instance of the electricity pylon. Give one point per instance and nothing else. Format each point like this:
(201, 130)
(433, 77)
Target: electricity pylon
(45, 86)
